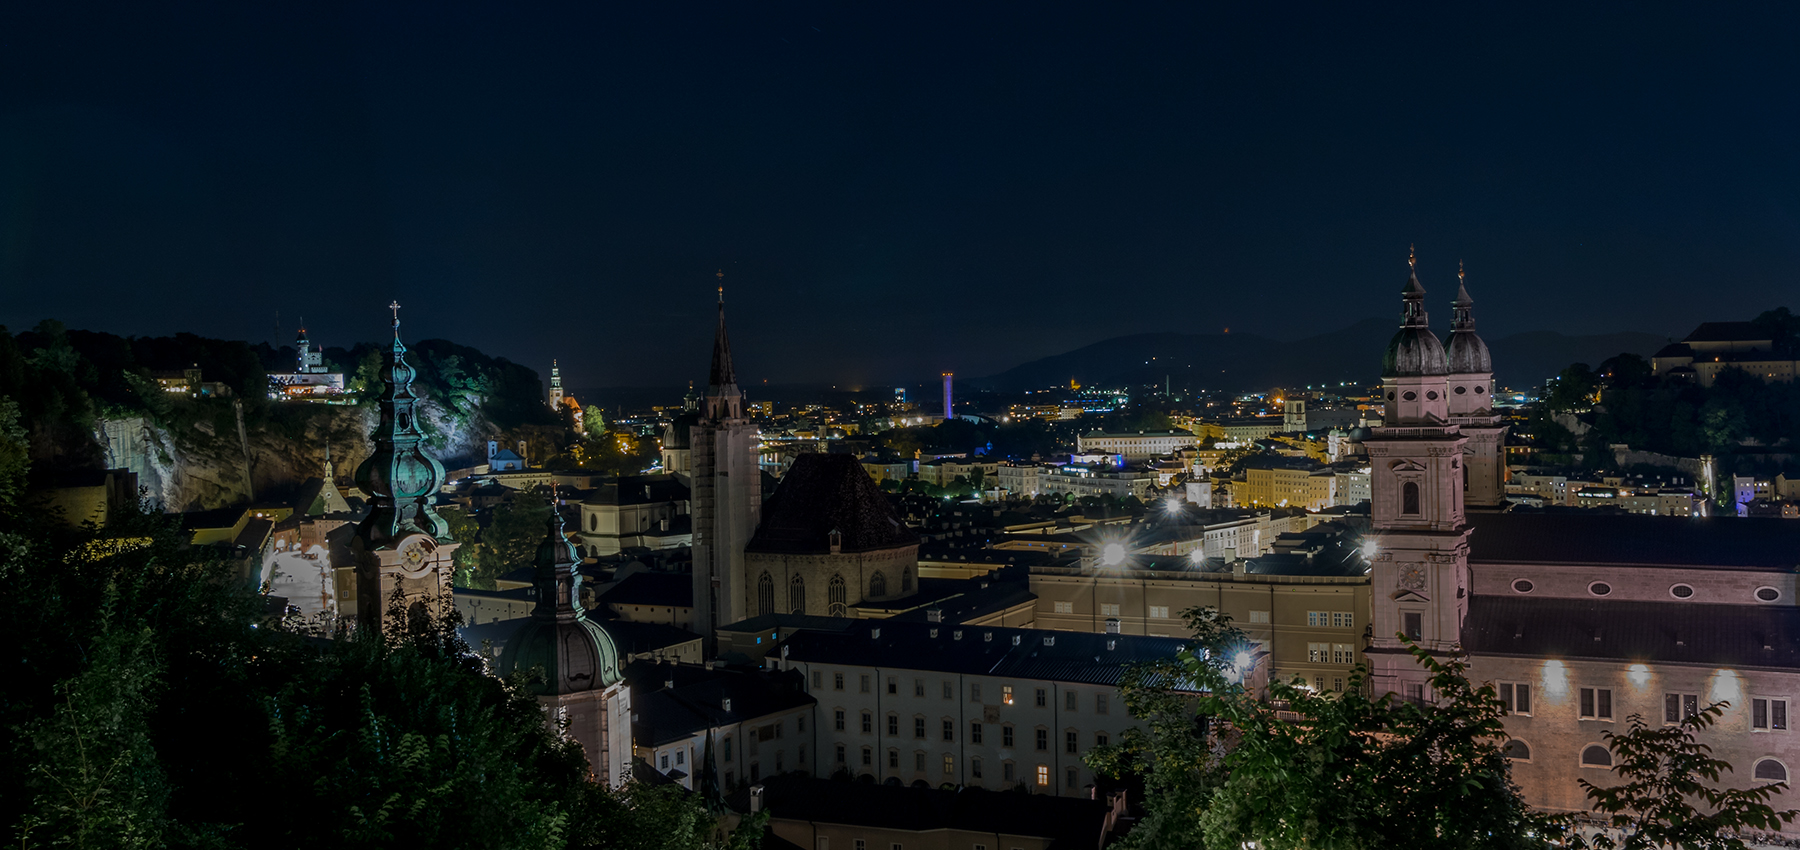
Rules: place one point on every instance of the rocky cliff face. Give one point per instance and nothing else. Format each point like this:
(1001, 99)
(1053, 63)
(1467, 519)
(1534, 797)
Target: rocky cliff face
(218, 459)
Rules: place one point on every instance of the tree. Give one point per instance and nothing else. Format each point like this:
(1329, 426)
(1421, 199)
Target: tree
(510, 539)
(1670, 796)
(1304, 769)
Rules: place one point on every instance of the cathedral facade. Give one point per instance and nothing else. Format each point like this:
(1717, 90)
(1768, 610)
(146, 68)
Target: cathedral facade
(1579, 619)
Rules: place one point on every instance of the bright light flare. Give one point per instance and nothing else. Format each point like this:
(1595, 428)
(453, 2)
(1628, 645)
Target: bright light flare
(1113, 555)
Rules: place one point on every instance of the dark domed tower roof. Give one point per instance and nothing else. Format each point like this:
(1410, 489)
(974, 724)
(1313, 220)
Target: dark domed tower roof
(1466, 352)
(679, 433)
(825, 493)
(1414, 351)
(574, 653)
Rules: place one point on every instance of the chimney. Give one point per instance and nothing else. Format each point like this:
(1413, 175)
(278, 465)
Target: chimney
(1017, 639)
(957, 635)
(934, 615)
(875, 633)
(1049, 640)
(725, 703)
(756, 798)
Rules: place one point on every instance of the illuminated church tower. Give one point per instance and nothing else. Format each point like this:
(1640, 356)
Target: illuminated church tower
(403, 546)
(556, 388)
(727, 492)
(1420, 576)
(1471, 383)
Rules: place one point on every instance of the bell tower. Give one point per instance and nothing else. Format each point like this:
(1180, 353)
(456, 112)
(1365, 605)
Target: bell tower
(1420, 575)
(727, 492)
(403, 546)
(1471, 385)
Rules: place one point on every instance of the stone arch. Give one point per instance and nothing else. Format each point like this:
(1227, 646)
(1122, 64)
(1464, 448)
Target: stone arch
(836, 596)
(765, 594)
(797, 595)
(1409, 498)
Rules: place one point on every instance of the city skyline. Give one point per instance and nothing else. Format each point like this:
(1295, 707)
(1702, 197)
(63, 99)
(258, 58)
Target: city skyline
(917, 194)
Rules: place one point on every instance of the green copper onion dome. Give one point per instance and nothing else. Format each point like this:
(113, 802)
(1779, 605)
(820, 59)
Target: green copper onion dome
(574, 653)
(400, 477)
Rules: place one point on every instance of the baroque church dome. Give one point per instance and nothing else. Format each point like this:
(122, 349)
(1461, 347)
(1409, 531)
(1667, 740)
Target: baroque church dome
(1414, 351)
(1467, 353)
(575, 653)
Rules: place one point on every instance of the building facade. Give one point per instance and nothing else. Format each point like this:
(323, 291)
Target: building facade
(727, 492)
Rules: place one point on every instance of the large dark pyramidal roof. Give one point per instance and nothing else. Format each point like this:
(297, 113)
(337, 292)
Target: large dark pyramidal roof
(823, 493)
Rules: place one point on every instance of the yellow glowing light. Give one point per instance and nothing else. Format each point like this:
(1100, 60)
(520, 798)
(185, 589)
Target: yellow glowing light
(1639, 674)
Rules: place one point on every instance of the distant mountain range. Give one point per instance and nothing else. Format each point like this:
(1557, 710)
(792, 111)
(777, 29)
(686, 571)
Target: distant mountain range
(1243, 362)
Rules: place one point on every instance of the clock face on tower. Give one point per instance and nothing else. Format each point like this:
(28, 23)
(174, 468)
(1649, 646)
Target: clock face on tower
(412, 554)
(1412, 577)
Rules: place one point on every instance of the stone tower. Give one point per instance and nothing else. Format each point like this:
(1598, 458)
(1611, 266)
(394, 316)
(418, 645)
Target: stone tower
(572, 661)
(1471, 383)
(1420, 577)
(403, 546)
(311, 361)
(556, 387)
(727, 492)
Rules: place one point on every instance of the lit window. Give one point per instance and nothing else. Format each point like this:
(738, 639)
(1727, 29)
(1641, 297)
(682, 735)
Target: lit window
(1006, 694)
(1043, 776)
(949, 765)
(1065, 607)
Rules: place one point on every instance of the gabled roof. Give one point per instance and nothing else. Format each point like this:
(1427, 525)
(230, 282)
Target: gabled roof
(1584, 537)
(697, 702)
(822, 493)
(1727, 332)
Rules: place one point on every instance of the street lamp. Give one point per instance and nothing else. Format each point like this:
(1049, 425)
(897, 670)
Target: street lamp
(1113, 555)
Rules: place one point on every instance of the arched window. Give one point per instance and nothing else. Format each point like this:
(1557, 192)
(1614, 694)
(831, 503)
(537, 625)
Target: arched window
(1517, 750)
(1770, 770)
(1596, 756)
(906, 580)
(835, 597)
(797, 595)
(765, 594)
(1409, 498)
(877, 585)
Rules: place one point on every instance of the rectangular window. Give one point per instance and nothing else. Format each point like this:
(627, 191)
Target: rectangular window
(1316, 618)
(893, 685)
(1596, 703)
(919, 728)
(727, 748)
(974, 692)
(975, 768)
(1071, 777)
(893, 726)
(665, 761)
(802, 758)
(868, 723)
(840, 754)
(949, 730)
(837, 680)
(894, 759)
(838, 718)
(918, 761)
(1769, 715)
(1516, 696)
(1065, 607)
(1415, 625)
(1109, 610)
(800, 723)
(1006, 771)
(1043, 740)
(1415, 694)
(975, 732)
(680, 757)
(1679, 707)
(1100, 739)
(1070, 700)
(1043, 697)
(1342, 620)
(1043, 776)
(818, 680)
(868, 757)
(1071, 742)
(865, 683)
(918, 687)
(1099, 703)
(1343, 653)
(1006, 735)
(1161, 611)
(949, 765)
(949, 692)
(1006, 694)
(1259, 617)
(1316, 653)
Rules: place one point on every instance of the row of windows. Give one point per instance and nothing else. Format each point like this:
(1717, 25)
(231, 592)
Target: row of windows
(1767, 714)
(1596, 755)
(947, 731)
(836, 592)
(1331, 653)
(1678, 590)
(1040, 696)
(1008, 768)
(1323, 619)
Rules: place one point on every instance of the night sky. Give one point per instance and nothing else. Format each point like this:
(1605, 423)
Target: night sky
(892, 189)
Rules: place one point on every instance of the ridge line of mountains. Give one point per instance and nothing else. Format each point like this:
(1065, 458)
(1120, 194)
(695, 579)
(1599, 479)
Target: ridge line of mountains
(1244, 362)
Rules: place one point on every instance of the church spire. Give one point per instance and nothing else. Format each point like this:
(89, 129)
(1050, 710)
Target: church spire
(722, 372)
(557, 580)
(1412, 296)
(400, 476)
(1461, 319)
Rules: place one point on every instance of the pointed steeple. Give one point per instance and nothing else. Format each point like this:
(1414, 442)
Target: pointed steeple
(400, 476)
(558, 582)
(1412, 296)
(1461, 319)
(722, 372)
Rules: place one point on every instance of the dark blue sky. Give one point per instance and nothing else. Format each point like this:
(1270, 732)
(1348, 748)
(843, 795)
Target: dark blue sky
(893, 189)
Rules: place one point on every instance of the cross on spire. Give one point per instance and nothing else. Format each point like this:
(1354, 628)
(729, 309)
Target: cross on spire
(1412, 260)
(395, 306)
(721, 286)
